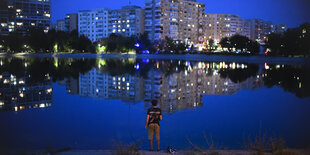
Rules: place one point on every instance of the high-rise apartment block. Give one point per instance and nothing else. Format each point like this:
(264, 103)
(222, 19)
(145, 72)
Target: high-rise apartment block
(71, 22)
(22, 15)
(68, 24)
(181, 20)
(219, 26)
(93, 23)
(127, 21)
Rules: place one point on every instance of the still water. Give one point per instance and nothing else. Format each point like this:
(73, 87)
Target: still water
(48, 104)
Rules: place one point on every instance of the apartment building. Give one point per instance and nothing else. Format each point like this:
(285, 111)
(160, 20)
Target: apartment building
(127, 21)
(93, 23)
(22, 15)
(219, 26)
(181, 20)
(70, 23)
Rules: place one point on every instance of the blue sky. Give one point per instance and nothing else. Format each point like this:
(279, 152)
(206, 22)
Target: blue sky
(289, 12)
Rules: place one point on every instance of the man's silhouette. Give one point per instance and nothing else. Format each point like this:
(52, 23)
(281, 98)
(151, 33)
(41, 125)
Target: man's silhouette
(154, 115)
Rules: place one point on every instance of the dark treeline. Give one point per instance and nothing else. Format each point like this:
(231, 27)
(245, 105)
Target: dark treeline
(239, 43)
(292, 42)
(53, 41)
(291, 78)
(295, 41)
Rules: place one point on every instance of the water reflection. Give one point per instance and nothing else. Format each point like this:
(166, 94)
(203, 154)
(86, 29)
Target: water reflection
(18, 93)
(27, 83)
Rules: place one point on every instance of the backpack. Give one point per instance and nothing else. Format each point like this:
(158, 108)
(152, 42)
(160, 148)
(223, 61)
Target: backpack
(171, 150)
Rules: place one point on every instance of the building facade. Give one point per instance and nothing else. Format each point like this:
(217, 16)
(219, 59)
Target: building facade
(181, 20)
(93, 24)
(22, 15)
(61, 25)
(70, 23)
(127, 21)
(219, 26)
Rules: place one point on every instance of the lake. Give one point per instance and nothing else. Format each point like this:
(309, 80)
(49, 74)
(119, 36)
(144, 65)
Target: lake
(99, 104)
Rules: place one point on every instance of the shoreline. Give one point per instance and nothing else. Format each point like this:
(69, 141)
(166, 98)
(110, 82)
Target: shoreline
(186, 57)
(164, 152)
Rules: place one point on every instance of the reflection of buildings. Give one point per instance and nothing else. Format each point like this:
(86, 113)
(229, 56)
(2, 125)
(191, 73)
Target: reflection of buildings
(184, 90)
(20, 93)
(72, 85)
(181, 89)
(95, 83)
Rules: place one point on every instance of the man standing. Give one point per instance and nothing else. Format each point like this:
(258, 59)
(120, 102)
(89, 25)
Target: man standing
(154, 115)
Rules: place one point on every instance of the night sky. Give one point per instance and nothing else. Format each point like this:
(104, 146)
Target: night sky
(289, 12)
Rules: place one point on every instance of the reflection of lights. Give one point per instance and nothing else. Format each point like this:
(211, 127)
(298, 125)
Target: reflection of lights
(22, 107)
(137, 45)
(266, 66)
(6, 81)
(49, 90)
(137, 66)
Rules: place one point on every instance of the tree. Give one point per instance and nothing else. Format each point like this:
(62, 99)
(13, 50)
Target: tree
(225, 43)
(241, 43)
(15, 42)
(38, 40)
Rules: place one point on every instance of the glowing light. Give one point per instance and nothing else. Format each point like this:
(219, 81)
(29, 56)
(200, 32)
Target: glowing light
(266, 66)
(137, 66)
(137, 45)
(49, 90)
(42, 105)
